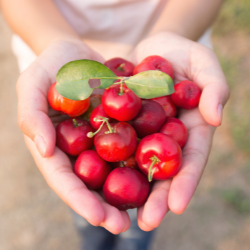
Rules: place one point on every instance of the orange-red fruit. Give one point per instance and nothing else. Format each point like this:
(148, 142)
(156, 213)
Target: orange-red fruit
(66, 106)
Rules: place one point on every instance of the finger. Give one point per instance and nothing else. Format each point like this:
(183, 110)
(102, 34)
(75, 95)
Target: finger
(115, 221)
(153, 211)
(209, 76)
(195, 154)
(214, 97)
(127, 221)
(32, 89)
(140, 222)
(57, 171)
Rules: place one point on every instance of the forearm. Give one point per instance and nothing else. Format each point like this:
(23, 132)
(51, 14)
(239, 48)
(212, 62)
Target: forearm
(189, 18)
(37, 22)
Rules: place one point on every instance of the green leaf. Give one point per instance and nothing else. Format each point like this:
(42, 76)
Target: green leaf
(73, 78)
(150, 84)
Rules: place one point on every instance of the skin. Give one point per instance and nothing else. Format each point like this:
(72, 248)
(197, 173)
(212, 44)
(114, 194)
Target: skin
(187, 18)
(199, 64)
(50, 37)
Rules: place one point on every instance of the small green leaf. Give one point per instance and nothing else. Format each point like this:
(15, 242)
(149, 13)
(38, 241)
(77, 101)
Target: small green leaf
(151, 84)
(73, 78)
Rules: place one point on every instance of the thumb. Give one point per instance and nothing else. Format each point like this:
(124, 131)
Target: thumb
(213, 99)
(208, 74)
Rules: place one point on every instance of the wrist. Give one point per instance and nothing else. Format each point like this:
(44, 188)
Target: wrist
(38, 46)
(180, 31)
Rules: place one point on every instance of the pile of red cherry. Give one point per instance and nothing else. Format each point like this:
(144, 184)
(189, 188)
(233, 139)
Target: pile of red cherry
(124, 142)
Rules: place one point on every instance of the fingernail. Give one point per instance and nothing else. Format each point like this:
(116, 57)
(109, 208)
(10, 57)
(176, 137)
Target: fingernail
(220, 110)
(40, 144)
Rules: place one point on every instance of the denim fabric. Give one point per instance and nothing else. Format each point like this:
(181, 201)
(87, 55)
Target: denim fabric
(98, 238)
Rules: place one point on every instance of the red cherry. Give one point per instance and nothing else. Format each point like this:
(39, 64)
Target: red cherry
(159, 156)
(121, 103)
(155, 63)
(130, 162)
(126, 188)
(187, 95)
(120, 66)
(150, 118)
(94, 117)
(116, 141)
(92, 169)
(176, 129)
(71, 136)
(167, 104)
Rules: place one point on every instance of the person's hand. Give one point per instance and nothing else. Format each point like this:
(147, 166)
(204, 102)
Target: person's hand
(37, 121)
(190, 61)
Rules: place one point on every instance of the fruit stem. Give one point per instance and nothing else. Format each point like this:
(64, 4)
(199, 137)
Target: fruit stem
(121, 88)
(109, 127)
(104, 120)
(121, 67)
(76, 124)
(154, 160)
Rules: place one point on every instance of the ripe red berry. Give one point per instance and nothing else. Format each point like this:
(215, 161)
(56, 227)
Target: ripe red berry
(187, 95)
(149, 120)
(120, 66)
(116, 142)
(126, 188)
(167, 104)
(159, 156)
(91, 169)
(155, 63)
(95, 116)
(176, 129)
(121, 103)
(71, 136)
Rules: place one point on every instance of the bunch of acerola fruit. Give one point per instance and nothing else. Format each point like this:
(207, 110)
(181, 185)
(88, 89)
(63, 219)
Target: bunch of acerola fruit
(123, 141)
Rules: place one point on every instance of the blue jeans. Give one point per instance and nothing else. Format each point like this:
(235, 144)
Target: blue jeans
(98, 238)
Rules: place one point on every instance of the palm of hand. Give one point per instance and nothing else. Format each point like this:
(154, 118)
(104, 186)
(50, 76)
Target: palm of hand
(190, 61)
(35, 120)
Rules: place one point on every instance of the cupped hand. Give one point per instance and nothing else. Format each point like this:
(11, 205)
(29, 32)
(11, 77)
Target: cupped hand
(37, 121)
(190, 61)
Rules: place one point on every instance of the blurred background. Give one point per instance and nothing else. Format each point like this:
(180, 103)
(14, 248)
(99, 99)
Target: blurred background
(218, 217)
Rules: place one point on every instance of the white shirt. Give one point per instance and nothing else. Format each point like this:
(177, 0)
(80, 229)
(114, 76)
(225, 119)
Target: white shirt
(110, 27)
